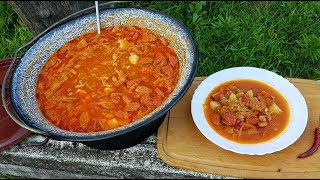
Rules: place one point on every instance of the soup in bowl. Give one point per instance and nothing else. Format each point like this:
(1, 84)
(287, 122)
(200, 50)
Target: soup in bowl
(249, 110)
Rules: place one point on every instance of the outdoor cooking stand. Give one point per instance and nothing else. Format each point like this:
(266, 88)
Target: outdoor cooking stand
(7, 84)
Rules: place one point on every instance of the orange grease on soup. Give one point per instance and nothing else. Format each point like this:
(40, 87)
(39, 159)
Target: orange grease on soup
(246, 117)
(101, 82)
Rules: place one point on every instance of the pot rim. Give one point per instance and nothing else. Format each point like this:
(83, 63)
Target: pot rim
(154, 116)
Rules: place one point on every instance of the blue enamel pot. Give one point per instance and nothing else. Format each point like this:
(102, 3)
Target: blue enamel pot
(21, 84)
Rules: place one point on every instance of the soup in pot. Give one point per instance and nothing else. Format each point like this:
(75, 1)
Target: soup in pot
(98, 82)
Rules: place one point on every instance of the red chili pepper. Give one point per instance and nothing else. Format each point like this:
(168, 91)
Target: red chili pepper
(315, 145)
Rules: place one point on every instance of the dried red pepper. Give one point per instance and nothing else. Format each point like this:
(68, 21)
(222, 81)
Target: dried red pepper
(315, 145)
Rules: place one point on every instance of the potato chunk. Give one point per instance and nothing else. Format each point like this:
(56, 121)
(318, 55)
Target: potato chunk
(113, 123)
(133, 58)
(250, 93)
(122, 43)
(232, 97)
(274, 109)
(214, 104)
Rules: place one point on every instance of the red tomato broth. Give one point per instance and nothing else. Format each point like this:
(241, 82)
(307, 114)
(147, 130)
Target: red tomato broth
(96, 82)
(274, 128)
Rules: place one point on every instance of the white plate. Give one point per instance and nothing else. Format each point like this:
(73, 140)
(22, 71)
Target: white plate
(297, 106)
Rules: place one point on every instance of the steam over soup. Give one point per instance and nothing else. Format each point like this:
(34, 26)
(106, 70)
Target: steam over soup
(101, 82)
(247, 111)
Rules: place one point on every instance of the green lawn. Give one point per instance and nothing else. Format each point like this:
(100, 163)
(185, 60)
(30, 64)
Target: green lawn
(6, 176)
(283, 37)
(13, 32)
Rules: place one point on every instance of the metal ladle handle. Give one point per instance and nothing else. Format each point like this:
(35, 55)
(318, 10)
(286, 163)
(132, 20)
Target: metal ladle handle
(97, 17)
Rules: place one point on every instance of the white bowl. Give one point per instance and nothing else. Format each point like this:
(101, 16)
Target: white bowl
(297, 106)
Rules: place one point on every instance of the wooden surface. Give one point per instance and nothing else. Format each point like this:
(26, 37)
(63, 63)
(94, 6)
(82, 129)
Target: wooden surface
(181, 144)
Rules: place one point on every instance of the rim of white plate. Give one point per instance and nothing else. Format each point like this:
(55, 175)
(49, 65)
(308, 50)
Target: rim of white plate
(297, 106)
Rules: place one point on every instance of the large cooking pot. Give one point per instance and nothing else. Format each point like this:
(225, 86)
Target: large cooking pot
(22, 82)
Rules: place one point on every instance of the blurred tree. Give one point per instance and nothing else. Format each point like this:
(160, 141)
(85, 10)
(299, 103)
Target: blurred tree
(39, 15)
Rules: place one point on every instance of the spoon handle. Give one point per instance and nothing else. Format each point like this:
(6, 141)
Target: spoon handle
(97, 16)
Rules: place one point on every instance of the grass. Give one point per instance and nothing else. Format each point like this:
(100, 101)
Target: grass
(283, 37)
(13, 32)
(7, 176)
